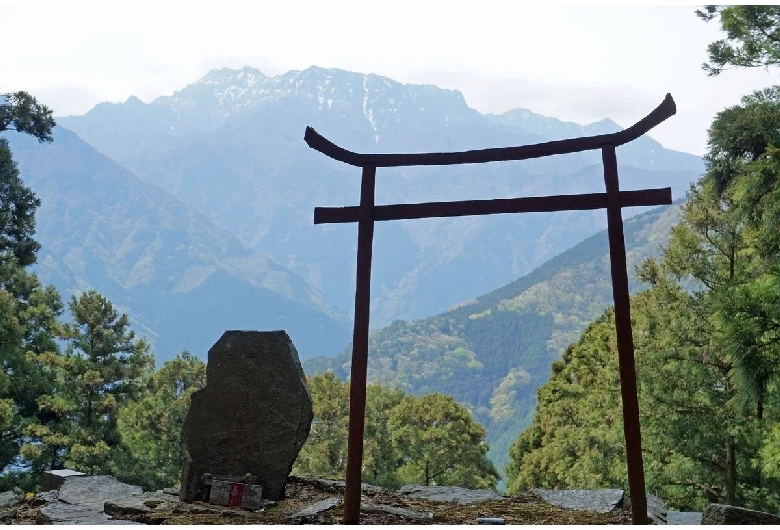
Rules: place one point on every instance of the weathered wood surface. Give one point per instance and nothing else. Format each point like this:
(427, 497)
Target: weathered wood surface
(553, 203)
(665, 110)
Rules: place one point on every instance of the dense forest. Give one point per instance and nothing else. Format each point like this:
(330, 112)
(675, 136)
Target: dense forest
(707, 330)
(492, 353)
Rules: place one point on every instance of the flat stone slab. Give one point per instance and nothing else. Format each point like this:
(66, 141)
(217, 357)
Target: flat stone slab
(95, 490)
(318, 507)
(683, 518)
(325, 484)
(82, 500)
(55, 478)
(64, 513)
(724, 514)
(369, 507)
(8, 499)
(449, 494)
(602, 501)
(139, 504)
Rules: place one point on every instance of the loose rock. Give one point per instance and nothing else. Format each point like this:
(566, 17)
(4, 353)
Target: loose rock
(46, 497)
(318, 507)
(724, 514)
(253, 416)
(8, 499)
(656, 509)
(138, 504)
(683, 518)
(64, 513)
(55, 478)
(602, 501)
(97, 489)
(490, 520)
(449, 494)
(394, 510)
(82, 499)
(325, 484)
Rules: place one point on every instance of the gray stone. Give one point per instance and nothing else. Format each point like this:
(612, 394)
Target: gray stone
(184, 507)
(64, 513)
(55, 478)
(47, 496)
(724, 514)
(95, 490)
(170, 491)
(325, 484)
(138, 504)
(318, 507)
(449, 494)
(82, 499)
(8, 499)
(656, 509)
(253, 416)
(602, 501)
(683, 518)
(490, 520)
(369, 507)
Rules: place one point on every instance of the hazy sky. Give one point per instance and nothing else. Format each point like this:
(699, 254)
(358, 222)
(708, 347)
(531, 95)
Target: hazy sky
(577, 63)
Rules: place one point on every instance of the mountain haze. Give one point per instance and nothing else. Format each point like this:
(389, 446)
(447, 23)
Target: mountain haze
(182, 279)
(231, 144)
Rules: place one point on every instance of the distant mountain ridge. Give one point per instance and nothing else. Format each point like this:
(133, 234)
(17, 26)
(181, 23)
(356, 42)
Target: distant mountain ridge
(231, 144)
(177, 275)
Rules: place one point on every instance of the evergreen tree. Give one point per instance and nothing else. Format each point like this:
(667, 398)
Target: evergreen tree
(28, 324)
(440, 443)
(325, 450)
(102, 369)
(28, 311)
(752, 37)
(21, 112)
(151, 426)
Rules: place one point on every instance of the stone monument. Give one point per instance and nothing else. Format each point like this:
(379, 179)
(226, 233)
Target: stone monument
(252, 417)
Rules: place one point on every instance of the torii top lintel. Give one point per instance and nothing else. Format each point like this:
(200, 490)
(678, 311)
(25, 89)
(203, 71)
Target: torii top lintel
(665, 110)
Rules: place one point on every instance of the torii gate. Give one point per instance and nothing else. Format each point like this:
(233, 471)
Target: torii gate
(613, 200)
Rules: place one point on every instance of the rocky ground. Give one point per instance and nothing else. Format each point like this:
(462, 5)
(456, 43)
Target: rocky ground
(104, 500)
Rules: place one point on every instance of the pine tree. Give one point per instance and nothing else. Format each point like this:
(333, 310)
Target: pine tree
(102, 369)
(28, 311)
(752, 37)
(151, 426)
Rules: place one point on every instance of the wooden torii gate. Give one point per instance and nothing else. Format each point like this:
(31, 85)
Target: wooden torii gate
(613, 200)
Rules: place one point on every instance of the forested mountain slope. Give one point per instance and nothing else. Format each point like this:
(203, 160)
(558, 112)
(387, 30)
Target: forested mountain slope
(492, 353)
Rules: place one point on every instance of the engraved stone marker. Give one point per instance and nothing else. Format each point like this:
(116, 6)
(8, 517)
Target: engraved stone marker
(253, 416)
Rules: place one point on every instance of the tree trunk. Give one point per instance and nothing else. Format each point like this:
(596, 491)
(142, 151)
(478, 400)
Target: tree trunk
(427, 476)
(731, 472)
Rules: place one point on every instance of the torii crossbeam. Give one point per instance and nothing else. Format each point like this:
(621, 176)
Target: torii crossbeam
(613, 200)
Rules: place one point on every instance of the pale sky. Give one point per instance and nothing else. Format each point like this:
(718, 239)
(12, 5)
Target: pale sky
(574, 62)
